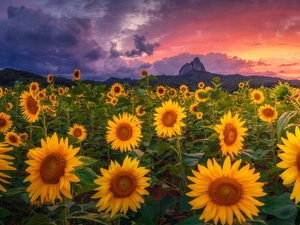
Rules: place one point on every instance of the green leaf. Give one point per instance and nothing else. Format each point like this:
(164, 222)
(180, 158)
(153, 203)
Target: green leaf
(87, 160)
(283, 121)
(87, 177)
(152, 77)
(281, 207)
(39, 219)
(192, 220)
(150, 209)
(215, 94)
(14, 191)
(192, 159)
(249, 153)
(144, 220)
(164, 204)
(162, 147)
(4, 212)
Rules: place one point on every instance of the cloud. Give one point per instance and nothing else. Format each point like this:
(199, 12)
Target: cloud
(114, 53)
(141, 47)
(289, 64)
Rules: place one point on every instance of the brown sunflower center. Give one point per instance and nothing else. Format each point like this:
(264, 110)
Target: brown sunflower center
(13, 139)
(52, 168)
(161, 90)
(257, 96)
(77, 132)
(123, 185)
(169, 118)
(76, 74)
(225, 191)
(32, 105)
(230, 134)
(117, 89)
(195, 108)
(124, 131)
(298, 162)
(2, 122)
(268, 112)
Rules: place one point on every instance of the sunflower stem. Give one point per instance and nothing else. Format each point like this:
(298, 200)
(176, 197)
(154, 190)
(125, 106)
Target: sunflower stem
(182, 171)
(65, 210)
(44, 124)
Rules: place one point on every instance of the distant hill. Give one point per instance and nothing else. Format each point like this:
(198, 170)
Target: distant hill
(230, 83)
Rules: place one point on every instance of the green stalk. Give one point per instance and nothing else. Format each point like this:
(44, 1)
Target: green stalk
(65, 210)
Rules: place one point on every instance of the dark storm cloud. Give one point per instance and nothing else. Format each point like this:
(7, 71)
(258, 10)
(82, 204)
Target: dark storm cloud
(113, 52)
(141, 47)
(38, 42)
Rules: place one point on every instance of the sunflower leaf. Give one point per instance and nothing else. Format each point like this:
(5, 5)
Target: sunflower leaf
(283, 121)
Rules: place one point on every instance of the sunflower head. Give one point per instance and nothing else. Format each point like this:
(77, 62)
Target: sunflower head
(61, 91)
(225, 192)
(42, 95)
(1, 92)
(5, 164)
(183, 88)
(76, 74)
(201, 85)
(121, 187)
(160, 91)
(50, 78)
(281, 91)
(116, 89)
(9, 106)
(199, 115)
(34, 87)
(194, 108)
(144, 73)
(140, 111)
(257, 96)
(231, 134)
(50, 170)
(5, 122)
(78, 131)
(13, 138)
(172, 92)
(124, 132)
(168, 119)
(201, 95)
(267, 113)
(30, 107)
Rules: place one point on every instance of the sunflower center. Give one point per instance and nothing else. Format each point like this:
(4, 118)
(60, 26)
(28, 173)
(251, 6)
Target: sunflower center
(123, 185)
(160, 91)
(33, 87)
(298, 162)
(117, 89)
(76, 74)
(225, 191)
(13, 139)
(195, 108)
(268, 112)
(257, 96)
(230, 134)
(124, 132)
(52, 168)
(77, 132)
(32, 105)
(2, 122)
(169, 118)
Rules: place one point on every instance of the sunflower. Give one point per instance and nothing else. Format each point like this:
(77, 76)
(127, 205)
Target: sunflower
(50, 78)
(13, 138)
(78, 131)
(201, 95)
(267, 113)
(67, 89)
(257, 96)
(52, 97)
(5, 164)
(281, 91)
(231, 134)
(194, 108)
(168, 119)
(116, 89)
(76, 74)
(122, 187)
(1, 92)
(199, 115)
(42, 94)
(188, 94)
(5, 122)
(50, 169)
(139, 111)
(183, 88)
(61, 91)
(201, 85)
(143, 73)
(49, 110)
(34, 87)
(241, 85)
(30, 107)
(290, 162)
(160, 91)
(124, 132)
(225, 191)
(172, 92)
(24, 136)
(9, 106)
(114, 101)
(5, 90)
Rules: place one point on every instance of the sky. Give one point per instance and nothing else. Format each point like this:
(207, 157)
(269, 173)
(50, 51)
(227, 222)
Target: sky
(119, 38)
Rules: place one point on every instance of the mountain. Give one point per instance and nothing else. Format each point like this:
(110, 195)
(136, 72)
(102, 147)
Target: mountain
(191, 79)
(194, 65)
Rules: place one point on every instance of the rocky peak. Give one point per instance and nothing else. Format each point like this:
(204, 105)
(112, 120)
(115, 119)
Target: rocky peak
(194, 65)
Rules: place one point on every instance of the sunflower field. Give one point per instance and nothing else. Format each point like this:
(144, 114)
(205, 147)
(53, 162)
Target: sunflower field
(144, 155)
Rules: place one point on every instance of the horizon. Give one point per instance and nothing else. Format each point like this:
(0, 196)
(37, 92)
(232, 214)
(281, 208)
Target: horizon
(118, 39)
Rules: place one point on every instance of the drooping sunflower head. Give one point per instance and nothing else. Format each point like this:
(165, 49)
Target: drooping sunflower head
(257, 96)
(140, 111)
(78, 131)
(13, 138)
(201, 95)
(9, 106)
(124, 132)
(34, 87)
(50, 78)
(5, 164)
(168, 119)
(267, 113)
(201, 85)
(143, 73)
(225, 192)
(30, 107)
(231, 134)
(76, 74)
(160, 91)
(5, 122)
(50, 170)
(121, 187)
(116, 89)
(281, 91)
(194, 108)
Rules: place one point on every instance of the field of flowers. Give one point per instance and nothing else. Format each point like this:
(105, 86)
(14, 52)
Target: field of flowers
(148, 155)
